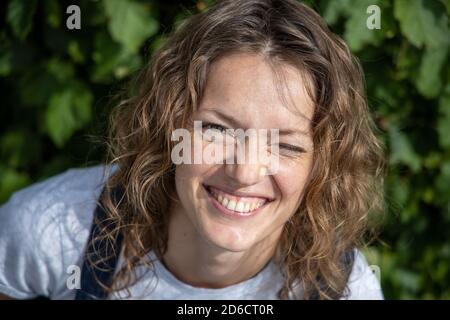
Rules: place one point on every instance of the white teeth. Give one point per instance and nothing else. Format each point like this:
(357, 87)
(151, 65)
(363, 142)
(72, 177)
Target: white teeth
(240, 207)
(231, 205)
(225, 202)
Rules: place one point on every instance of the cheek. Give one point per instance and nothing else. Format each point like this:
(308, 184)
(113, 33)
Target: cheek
(188, 179)
(185, 176)
(184, 173)
(291, 180)
(191, 173)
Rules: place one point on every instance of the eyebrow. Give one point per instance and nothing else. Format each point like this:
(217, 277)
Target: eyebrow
(235, 123)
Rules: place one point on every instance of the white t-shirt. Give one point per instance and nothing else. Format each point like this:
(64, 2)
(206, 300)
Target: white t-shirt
(44, 229)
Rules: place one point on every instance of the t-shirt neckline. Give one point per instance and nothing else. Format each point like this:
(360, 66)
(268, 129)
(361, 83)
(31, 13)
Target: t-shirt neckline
(244, 286)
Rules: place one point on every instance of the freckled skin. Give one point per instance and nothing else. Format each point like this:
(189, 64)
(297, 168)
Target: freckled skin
(228, 250)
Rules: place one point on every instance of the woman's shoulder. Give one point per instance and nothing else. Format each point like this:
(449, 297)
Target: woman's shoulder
(364, 282)
(44, 229)
(60, 198)
(66, 186)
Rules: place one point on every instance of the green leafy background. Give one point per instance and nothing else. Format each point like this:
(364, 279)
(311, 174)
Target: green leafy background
(55, 85)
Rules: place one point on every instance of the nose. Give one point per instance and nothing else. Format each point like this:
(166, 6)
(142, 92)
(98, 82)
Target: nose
(245, 174)
(247, 171)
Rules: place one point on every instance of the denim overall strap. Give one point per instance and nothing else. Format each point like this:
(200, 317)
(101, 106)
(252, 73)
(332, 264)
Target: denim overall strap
(97, 251)
(347, 261)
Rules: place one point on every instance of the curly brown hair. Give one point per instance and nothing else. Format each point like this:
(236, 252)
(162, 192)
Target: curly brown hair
(346, 184)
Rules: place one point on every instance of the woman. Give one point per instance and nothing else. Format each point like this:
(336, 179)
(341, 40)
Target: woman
(222, 229)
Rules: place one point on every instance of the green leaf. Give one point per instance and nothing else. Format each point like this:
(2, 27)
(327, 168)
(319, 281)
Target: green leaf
(11, 181)
(37, 85)
(355, 11)
(420, 25)
(335, 9)
(398, 190)
(442, 184)
(6, 56)
(447, 5)
(157, 43)
(53, 13)
(61, 70)
(111, 60)
(443, 124)
(20, 17)
(356, 32)
(75, 51)
(429, 81)
(5, 63)
(406, 61)
(67, 111)
(19, 148)
(130, 23)
(402, 150)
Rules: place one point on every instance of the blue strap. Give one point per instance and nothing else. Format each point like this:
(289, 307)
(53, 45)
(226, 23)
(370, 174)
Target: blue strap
(103, 272)
(347, 261)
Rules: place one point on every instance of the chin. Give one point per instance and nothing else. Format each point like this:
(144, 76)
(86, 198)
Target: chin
(229, 238)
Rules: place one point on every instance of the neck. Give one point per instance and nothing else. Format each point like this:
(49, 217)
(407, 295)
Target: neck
(200, 263)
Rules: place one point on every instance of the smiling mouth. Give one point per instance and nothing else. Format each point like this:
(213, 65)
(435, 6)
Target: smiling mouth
(238, 205)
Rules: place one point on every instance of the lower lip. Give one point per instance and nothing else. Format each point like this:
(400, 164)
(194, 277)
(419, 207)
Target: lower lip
(230, 213)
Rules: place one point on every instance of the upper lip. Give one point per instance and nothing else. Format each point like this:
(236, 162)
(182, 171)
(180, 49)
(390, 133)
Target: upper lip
(239, 193)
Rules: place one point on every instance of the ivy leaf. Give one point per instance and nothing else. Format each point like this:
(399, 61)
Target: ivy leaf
(61, 70)
(67, 111)
(398, 190)
(355, 11)
(447, 5)
(37, 85)
(429, 81)
(19, 148)
(441, 184)
(5, 63)
(356, 32)
(130, 23)
(402, 150)
(112, 60)
(335, 9)
(11, 180)
(53, 13)
(420, 25)
(20, 17)
(443, 125)
(75, 52)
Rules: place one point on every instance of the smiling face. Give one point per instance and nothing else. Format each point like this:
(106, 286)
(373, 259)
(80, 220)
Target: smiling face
(234, 206)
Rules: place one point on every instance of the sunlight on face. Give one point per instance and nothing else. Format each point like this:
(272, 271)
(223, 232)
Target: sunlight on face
(234, 206)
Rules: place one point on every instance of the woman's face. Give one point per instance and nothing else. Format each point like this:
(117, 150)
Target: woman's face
(236, 206)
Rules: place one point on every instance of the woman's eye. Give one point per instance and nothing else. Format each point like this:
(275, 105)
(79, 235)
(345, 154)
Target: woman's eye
(290, 149)
(214, 126)
(214, 132)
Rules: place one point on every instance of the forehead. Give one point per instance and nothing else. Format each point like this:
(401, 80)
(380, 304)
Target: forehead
(244, 85)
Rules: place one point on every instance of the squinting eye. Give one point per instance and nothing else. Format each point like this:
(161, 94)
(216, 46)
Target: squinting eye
(292, 148)
(288, 149)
